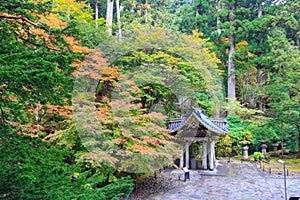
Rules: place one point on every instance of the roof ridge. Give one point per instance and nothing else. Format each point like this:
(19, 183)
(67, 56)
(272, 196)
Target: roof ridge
(202, 118)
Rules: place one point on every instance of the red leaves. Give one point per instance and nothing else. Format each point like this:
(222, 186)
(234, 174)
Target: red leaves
(151, 141)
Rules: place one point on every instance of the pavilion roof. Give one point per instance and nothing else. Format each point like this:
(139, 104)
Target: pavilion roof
(216, 126)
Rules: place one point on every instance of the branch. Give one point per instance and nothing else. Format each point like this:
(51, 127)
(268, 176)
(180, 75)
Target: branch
(2, 115)
(24, 19)
(32, 43)
(26, 40)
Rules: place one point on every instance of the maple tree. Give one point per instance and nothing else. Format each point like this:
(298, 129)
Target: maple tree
(187, 55)
(125, 128)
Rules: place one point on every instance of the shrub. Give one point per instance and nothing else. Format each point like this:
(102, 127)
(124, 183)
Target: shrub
(258, 156)
(33, 169)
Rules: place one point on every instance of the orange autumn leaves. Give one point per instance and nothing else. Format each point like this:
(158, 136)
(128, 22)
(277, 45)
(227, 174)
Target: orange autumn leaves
(129, 127)
(53, 20)
(41, 34)
(125, 128)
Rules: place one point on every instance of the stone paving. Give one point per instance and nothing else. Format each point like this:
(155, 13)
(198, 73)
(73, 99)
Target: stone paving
(244, 181)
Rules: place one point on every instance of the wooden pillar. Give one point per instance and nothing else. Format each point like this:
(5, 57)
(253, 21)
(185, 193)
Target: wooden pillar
(214, 154)
(187, 156)
(182, 155)
(211, 155)
(204, 160)
(208, 154)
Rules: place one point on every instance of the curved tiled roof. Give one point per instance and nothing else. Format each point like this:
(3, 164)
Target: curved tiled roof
(215, 126)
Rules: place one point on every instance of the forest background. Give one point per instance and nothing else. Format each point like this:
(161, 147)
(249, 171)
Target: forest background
(241, 58)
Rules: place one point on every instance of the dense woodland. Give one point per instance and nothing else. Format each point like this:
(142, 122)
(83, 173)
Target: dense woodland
(239, 60)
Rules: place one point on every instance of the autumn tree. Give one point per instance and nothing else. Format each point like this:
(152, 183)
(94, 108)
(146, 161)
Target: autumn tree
(33, 58)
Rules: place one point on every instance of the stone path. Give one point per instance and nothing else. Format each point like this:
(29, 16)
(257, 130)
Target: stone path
(244, 181)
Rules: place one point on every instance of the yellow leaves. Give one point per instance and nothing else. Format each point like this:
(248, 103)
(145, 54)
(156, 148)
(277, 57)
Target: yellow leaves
(197, 35)
(76, 174)
(38, 1)
(250, 54)
(216, 59)
(241, 44)
(78, 10)
(110, 74)
(238, 45)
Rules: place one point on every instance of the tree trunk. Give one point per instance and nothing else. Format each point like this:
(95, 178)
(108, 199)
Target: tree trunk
(218, 18)
(231, 65)
(282, 142)
(231, 68)
(298, 153)
(2, 115)
(109, 15)
(146, 12)
(96, 13)
(69, 14)
(118, 19)
(260, 8)
(259, 67)
(197, 10)
(296, 38)
(260, 74)
(37, 119)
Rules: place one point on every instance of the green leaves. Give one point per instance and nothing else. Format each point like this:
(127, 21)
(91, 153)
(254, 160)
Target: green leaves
(33, 69)
(158, 49)
(87, 33)
(241, 111)
(258, 156)
(284, 84)
(240, 133)
(44, 172)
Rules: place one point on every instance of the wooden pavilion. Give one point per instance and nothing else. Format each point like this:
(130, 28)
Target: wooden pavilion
(197, 130)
